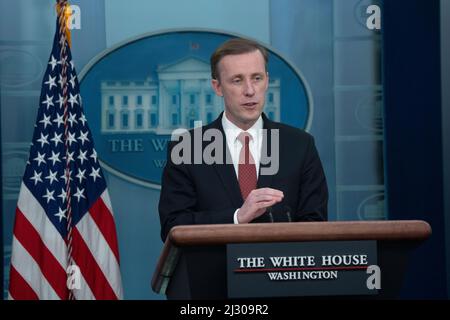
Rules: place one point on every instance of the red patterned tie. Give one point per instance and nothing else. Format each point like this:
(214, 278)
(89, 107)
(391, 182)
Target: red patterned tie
(247, 167)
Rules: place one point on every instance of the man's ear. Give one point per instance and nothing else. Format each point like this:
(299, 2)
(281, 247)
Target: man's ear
(216, 86)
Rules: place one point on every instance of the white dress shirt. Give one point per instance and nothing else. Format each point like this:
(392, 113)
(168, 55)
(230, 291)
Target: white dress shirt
(234, 145)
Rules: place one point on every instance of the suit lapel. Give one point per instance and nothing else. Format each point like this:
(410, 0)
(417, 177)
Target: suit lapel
(226, 171)
(265, 180)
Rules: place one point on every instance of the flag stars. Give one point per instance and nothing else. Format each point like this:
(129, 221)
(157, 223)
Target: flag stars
(79, 194)
(52, 176)
(46, 121)
(83, 137)
(43, 140)
(70, 156)
(61, 81)
(80, 174)
(73, 100)
(65, 175)
(48, 101)
(54, 157)
(94, 155)
(56, 139)
(82, 119)
(59, 119)
(63, 195)
(40, 159)
(82, 156)
(36, 177)
(95, 173)
(53, 62)
(71, 138)
(61, 214)
(50, 82)
(72, 118)
(49, 196)
(72, 81)
(60, 101)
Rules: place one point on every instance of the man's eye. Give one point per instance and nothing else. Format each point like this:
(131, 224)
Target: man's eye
(236, 81)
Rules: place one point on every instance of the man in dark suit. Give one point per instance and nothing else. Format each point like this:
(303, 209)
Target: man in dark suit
(261, 171)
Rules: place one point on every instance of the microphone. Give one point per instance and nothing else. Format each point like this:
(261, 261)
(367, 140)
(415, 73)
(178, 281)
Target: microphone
(269, 211)
(287, 209)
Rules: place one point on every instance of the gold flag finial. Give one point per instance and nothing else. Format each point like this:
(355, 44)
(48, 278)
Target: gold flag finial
(64, 13)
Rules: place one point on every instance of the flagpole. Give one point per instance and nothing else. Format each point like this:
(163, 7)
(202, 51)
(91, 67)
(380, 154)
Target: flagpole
(64, 37)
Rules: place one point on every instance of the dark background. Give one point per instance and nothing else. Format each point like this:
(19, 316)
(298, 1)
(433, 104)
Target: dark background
(413, 135)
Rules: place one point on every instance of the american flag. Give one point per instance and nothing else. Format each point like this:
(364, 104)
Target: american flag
(64, 221)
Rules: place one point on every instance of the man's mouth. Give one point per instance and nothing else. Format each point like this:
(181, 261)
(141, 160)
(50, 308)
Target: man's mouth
(250, 104)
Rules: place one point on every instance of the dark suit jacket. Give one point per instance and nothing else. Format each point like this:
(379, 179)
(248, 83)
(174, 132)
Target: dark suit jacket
(210, 194)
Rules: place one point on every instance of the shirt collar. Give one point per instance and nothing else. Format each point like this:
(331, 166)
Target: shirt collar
(232, 130)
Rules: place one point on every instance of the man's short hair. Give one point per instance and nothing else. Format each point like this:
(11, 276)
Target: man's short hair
(232, 47)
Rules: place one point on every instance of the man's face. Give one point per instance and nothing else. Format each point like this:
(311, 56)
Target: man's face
(243, 82)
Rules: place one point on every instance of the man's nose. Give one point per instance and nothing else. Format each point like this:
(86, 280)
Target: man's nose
(249, 90)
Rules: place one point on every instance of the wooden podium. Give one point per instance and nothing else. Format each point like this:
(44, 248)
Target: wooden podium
(193, 262)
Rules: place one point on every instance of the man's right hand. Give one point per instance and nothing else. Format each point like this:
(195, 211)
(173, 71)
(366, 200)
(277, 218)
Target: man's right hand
(257, 202)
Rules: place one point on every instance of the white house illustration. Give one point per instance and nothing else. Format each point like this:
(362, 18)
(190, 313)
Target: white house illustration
(181, 95)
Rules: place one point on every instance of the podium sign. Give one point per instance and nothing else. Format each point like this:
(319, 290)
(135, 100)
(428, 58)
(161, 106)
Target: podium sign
(366, 259)
(319, 268)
